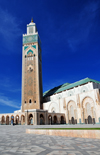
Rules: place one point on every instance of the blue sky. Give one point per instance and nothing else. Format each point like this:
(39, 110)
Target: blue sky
(70, 36)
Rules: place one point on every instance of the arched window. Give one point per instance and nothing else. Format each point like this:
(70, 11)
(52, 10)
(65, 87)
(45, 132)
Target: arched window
(30, 101)
(25, 101)
(34, 101)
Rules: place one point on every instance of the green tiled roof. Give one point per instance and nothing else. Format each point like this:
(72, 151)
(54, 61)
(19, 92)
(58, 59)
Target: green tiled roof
(68, 86)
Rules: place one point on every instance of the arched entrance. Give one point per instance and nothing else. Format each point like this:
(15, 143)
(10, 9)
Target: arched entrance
(49, 119)
(72, 112)
(41, 119)
(17, 119)
(30, 122)
(7, 120)
(72, 120)
(12, 119)
(62, 120)
(89, 119)
(3, 120)
(89, 114)
(55, 119)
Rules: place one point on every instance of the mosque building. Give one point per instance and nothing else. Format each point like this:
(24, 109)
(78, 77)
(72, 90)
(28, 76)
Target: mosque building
(69, 103)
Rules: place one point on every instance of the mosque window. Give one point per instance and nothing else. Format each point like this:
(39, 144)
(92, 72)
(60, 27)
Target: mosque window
(34, 55)
(30, 101)
(34, 101)
(25, 101)
(31, 30)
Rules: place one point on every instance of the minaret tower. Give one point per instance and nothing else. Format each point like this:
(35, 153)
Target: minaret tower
(31, 69)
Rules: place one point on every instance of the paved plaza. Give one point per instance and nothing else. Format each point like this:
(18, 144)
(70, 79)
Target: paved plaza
(14, 141)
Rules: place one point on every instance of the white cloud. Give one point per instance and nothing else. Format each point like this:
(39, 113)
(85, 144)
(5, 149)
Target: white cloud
(7, 84)
(11, 103)
(9, 28)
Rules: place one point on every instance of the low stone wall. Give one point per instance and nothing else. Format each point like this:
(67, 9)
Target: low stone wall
(67, 133)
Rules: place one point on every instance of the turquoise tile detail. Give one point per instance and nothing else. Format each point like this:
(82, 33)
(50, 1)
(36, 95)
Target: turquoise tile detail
(34, 46)
(31, 25)
(30, 39)
(25, 47)
(30, 51)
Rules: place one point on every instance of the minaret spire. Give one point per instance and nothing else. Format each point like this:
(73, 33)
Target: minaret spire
(32, 20)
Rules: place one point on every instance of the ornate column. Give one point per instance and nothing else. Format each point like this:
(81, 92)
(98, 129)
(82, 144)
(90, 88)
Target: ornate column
(9, 120)
(19, 120)
(85, 115)
(82, 111)
(75, 117)
(67, 121)
(35, 118)
(69, 116)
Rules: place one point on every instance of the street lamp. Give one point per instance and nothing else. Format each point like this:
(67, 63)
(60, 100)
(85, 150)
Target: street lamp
(50, 119)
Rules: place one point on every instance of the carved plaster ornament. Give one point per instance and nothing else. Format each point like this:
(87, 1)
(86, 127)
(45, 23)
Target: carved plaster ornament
(64, 104)
(30, 68)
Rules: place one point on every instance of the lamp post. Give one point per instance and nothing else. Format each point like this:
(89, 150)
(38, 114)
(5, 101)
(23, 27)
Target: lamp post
(50, 120)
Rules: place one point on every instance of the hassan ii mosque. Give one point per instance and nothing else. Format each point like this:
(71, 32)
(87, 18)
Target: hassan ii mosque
(69, 103)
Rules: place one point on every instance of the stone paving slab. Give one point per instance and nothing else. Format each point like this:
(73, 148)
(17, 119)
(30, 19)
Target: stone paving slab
(14, 141)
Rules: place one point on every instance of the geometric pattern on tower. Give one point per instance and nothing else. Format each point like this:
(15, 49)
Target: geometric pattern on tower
(30, 51)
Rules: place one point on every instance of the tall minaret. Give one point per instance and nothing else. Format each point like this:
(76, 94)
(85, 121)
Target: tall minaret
(31, 69)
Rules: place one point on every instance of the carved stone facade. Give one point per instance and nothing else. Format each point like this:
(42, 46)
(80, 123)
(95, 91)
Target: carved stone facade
(31, 70)
(80, 108)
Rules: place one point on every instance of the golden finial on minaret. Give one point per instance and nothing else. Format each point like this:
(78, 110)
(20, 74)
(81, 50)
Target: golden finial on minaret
(32, 20)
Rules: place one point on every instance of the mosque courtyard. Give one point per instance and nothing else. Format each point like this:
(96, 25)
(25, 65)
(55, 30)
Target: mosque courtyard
(15, 141)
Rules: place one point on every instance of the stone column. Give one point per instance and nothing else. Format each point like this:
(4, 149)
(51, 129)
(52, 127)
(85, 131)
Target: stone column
(83, 121)
(19, 120)
(66, 116)
(14, 119)
(46, 115)
(35, 118)
(26, 117)
(69, 116)
(58, 118)
(85, 115)
(22, 120)
(9, 120)
(38, 119)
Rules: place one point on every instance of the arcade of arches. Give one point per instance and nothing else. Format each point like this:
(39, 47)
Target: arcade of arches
(17, 120)
(83, 112)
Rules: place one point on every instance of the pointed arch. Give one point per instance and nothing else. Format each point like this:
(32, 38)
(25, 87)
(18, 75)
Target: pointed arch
(31, 49)
(72, 112)
(54, 106)
(87, 99)
(89, 115)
